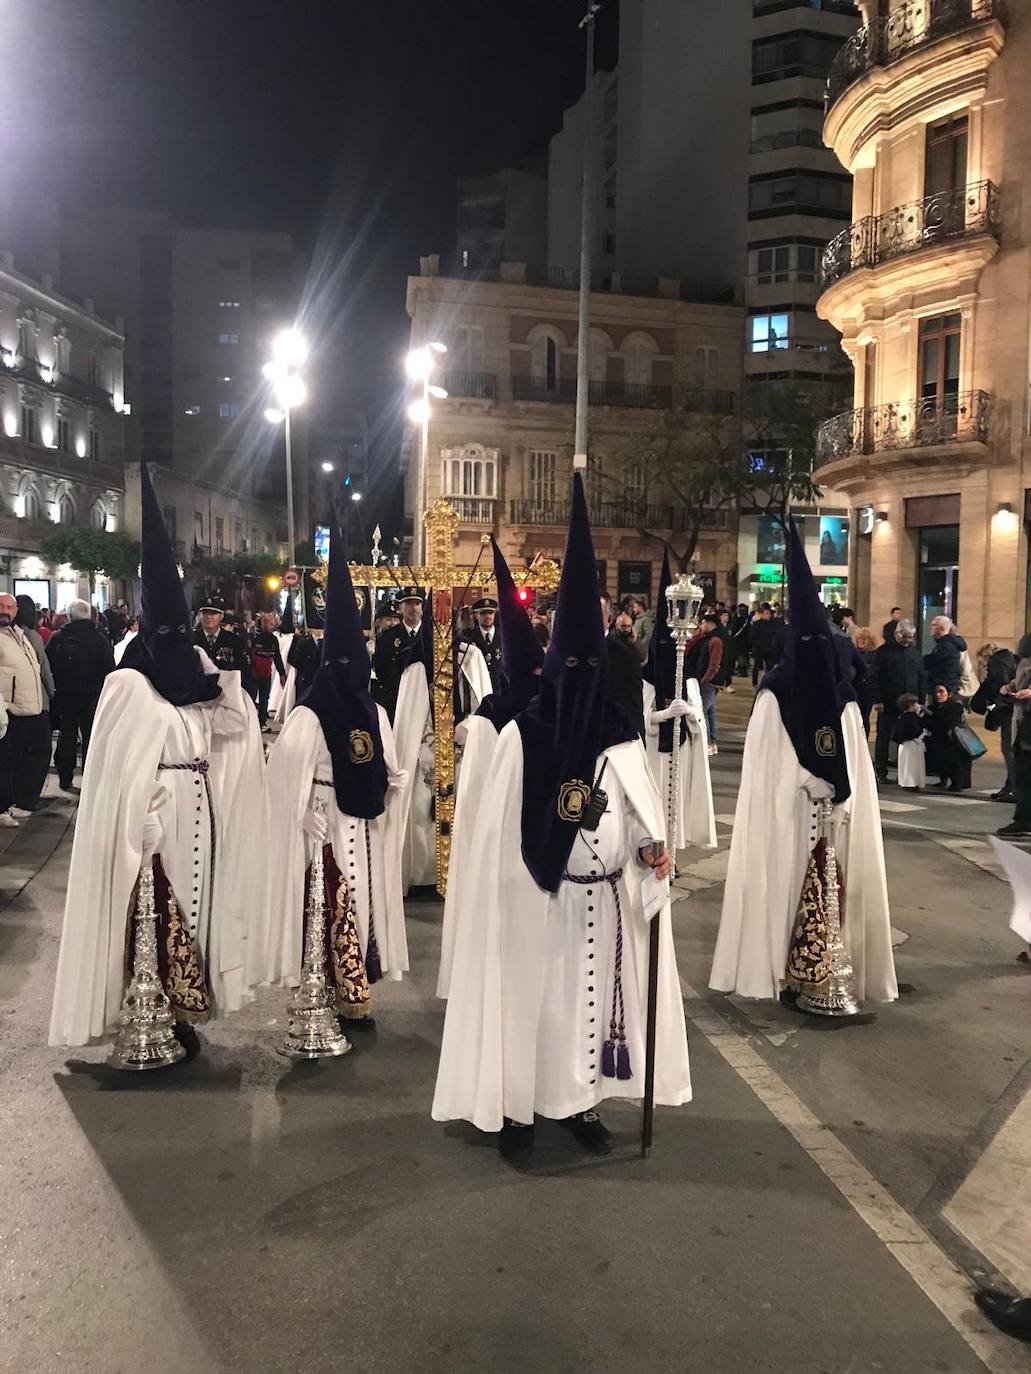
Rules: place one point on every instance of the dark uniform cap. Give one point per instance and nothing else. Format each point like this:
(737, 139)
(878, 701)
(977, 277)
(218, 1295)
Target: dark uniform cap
(214, 603)
(485, 603)
(409, 594)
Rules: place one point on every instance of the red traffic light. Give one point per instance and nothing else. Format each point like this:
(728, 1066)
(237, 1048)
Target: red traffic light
(525, 594)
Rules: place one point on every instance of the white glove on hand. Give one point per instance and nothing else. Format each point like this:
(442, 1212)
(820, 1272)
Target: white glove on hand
(209, 668)
(461, 732)
(818, 790)
(397, 782)
(153, 834)
(314, 823)
(677, 708)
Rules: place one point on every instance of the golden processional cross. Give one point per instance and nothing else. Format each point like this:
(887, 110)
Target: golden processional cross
(439, 578)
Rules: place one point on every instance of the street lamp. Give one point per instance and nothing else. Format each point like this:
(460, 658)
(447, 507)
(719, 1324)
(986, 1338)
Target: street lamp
(283, 371)
(327, 467)
(419, 365)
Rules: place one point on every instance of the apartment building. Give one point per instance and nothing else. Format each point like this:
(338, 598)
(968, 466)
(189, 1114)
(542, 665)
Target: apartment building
(500, 446)
(62, 429)
(929, 287)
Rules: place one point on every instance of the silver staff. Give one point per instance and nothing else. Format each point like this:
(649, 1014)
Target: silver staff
(314, 1031)
(145, 1039)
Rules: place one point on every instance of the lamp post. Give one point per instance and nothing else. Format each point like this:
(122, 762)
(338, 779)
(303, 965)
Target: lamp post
(420, 364)
(283, 370)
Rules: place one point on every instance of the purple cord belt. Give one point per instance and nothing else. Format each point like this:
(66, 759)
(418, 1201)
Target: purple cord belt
(615, 1053)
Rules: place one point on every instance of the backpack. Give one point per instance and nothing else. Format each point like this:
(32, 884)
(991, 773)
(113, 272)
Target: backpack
(69, 662)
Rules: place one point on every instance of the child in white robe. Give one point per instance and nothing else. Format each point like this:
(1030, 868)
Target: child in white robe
(909, 736)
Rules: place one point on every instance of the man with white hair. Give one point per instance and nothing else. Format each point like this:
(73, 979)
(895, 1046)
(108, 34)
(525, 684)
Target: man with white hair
(80, 659)
(899, 671)
(22, 689)
(944, 662)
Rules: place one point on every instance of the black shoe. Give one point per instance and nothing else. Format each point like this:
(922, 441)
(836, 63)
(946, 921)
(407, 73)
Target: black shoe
(188, 1038)
(942, 782)
(515, 1142)
(954, 788)
(356, 1023)
(1012, 1315)
(590, 1133)
(1004, 795)
(1012, 831)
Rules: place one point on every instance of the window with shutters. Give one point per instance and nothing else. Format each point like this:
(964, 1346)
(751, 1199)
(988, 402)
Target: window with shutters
(639, 351)
(98, 516)
(540, 476)
(545, 356)
(32, 507)
(467, 348)
(706, 365)
(28, 424)
(65, 510)
(63, 434)
(469, 477)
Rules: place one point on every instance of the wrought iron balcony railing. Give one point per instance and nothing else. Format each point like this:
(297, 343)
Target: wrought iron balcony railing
(710, 400)
(619, 514)
(473, 510)
(627, 395)
(960, 213)
(481, 386)
(962, 417)
(905, 29)
(30, 370)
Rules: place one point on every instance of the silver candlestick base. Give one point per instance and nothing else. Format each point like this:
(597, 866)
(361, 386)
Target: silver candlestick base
(145, 1038)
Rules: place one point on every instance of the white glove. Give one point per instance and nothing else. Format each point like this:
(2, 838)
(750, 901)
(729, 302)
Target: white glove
(397, 782)
(209, 668)
(461, 731)
(818, 789)
(677, 708)
(314, 823)
(153, 834)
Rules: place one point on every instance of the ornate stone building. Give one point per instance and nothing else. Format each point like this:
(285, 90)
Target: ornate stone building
(61, 428)
(927, 108)
(500, 446)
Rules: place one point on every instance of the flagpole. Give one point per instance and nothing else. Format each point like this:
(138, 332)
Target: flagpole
(583, 380)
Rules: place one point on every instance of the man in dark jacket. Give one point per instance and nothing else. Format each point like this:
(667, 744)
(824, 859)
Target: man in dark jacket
(943, 662)
(762, 641)
(625, 681)
(265, 659)
(899, 671)
(703, 660)
(80, 658)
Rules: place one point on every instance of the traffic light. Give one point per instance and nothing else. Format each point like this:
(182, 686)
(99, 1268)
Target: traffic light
(525, 595)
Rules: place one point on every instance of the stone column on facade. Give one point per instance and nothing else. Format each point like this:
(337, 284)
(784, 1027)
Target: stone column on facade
(974, 523)
(893, 561)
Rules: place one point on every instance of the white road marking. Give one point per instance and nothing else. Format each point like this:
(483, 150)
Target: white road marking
(977, 852)
(725, 820)
(905, 1239)
(900, 806)
(992, 1207)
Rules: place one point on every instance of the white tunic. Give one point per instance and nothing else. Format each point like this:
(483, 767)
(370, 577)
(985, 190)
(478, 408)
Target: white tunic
(367, 853)
(138, 739)
(531, 987)
(473, 785)
(774, 833)
(277, 689)
(696, 821)
(912, 763)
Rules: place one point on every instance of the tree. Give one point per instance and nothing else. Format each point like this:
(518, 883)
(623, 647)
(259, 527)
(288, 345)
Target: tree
(780, 423)
(91, 552)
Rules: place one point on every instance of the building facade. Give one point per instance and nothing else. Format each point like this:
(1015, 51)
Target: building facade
(929, 288)
(500, 446)
(62, 429)
(201, 307)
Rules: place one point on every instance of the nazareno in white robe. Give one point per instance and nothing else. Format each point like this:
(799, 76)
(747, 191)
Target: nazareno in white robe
(413, 732)
(696, 820)
(473, 785)
(278, 688)
(531, 985)
(134, 731)
(774, 833)
(366, 852)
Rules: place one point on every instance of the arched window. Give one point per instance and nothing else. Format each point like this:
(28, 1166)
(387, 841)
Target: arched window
(65, 510)
(98, 516)
(639, 352)
(32, 506)
(546, 344)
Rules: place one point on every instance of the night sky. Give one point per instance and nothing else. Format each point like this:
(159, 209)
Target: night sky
(346, 122)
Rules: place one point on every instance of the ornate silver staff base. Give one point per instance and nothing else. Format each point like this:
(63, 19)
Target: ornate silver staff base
(836, 996)
(145, 1039)
(314, 1031)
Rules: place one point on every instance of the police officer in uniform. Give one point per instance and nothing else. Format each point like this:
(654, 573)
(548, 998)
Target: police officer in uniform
(226, 650)
(392, 648)
(484, 635)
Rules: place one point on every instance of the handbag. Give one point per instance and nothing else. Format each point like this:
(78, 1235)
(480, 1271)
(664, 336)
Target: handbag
(969, 741)
(992, 717)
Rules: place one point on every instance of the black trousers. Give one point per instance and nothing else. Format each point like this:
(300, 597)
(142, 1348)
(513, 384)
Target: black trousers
(76, 722)
(886, 723)
(24, 760)
(264, 685)
(1022, 787)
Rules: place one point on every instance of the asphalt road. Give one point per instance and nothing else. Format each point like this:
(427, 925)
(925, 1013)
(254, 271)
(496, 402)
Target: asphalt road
(824, 1204)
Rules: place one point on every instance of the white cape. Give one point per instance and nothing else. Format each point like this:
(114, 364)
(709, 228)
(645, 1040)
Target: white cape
(696, 820)
(278, 688)
(299, 756)
(488, 1061)
(774, 833)
(477, 758)
(135, 729)
(123, 644)
(1017, 865)
(413, 732)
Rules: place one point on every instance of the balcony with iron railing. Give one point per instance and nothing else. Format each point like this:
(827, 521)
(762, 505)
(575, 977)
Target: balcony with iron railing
(906, 29)
(75, 388)
(108, 473)
(562, 391)
(965, 212)
(617, 514)
(923, 422)
(478, 386)
(473, 510)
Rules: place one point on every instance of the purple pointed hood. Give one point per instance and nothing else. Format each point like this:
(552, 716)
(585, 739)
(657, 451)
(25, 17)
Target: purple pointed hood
(521, 651)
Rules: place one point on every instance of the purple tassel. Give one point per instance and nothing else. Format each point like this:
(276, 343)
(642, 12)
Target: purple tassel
(608, 1060)
(373, 967)
(623, 1070)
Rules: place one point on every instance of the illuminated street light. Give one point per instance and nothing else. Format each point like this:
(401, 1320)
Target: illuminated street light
(356, 496)
(290, 348)
(289, 352)
(328, 467)
(419, 365)
(274, 416)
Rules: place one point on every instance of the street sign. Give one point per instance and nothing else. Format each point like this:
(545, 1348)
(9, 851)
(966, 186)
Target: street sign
(291, 578)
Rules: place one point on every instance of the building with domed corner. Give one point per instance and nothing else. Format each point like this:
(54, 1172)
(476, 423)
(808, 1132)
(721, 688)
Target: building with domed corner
(930, 288)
